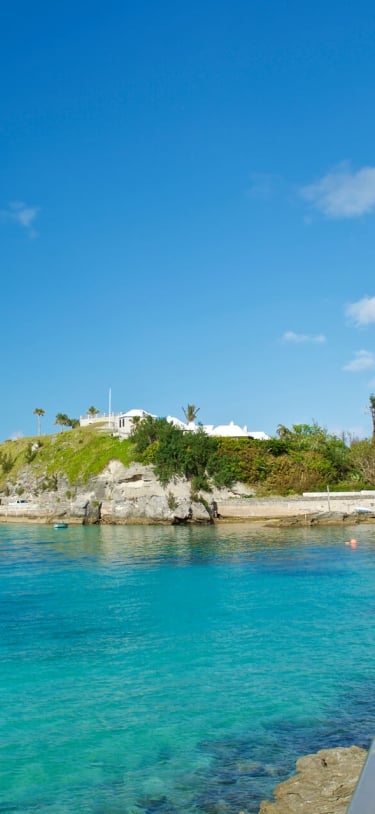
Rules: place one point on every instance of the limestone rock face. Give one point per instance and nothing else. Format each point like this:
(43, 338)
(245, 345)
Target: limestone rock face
(119, 494)
(188, 510)
(78, 507)
(324, 783)
(154, 507)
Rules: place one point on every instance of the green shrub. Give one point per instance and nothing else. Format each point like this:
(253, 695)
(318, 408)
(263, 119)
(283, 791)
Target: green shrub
(172, 502)
(30, 453)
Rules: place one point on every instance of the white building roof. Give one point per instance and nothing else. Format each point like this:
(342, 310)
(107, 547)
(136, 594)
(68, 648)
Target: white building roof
(230, 430)
(233, 430)
(136, 414)
(176, 422)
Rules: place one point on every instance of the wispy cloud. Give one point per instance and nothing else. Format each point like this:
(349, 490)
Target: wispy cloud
(22, 214)
(361, 312)
(363, 360)
(291, 336)
(343, 193)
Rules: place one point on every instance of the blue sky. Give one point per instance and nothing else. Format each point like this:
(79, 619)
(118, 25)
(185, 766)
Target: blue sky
(187, 211)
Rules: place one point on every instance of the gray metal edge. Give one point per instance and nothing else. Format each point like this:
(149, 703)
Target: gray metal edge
(363, 800)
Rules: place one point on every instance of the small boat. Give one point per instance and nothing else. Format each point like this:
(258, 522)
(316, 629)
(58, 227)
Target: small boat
(60, 525)
(363, 510)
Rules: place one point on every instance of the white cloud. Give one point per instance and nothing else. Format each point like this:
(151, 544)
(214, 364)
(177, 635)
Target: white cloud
(361, 312)
(363, 360)
(21, 213)
(290, 336)
(343, 193)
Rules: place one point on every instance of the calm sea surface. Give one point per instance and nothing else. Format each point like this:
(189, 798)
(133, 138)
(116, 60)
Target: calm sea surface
(149, 670)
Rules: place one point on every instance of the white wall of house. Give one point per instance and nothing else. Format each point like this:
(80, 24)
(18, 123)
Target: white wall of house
(126, 421)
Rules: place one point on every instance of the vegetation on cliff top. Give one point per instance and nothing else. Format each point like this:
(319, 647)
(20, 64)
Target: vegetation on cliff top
(303, 458)
(78, 454)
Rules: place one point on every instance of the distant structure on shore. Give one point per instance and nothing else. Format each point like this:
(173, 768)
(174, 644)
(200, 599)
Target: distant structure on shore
(121, 424)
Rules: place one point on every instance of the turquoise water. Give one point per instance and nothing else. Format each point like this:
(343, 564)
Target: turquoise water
(153, 670)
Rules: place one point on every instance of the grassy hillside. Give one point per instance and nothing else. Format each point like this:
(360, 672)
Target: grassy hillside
(77, 454)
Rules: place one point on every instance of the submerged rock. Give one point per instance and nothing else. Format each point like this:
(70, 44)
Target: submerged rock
(315, 519)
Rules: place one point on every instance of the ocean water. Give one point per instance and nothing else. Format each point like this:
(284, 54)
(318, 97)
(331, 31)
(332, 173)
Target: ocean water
(156, 670)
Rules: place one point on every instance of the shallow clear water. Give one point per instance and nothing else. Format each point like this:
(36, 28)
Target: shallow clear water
(152, 670)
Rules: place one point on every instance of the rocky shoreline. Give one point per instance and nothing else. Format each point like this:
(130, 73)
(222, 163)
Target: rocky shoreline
(89, 517)
(132, 495)
(324, 783)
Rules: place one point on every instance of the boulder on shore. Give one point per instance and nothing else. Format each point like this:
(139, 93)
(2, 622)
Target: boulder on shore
(324, 783)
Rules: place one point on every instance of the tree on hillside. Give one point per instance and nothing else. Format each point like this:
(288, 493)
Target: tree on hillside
(303, 436)
(190, 412)
(39, 412)
(372, 411)
(62, 420)
(282, 430)
(363, 457)
(92, 411)
(173, 451)
(146, 432)
(6, 462)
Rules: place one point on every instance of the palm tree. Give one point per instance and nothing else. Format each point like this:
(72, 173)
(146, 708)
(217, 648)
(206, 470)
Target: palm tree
(92, 411)
(39, 412)
(283, 431)
(62, 420)
(190, 412)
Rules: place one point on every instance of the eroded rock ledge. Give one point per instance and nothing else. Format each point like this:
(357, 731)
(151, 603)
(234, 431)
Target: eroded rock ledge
(324, 783)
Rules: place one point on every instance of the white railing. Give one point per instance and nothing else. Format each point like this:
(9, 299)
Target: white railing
(99, 418)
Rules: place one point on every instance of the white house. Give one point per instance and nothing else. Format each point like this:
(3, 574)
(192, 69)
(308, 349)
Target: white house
(120, 423)
(230, 430)
(126, 421)
(176, 422)
(259, 436)
(123, 423)
(233, 430)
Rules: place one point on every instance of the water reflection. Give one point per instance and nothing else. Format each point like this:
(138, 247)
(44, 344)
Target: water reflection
(180, 545)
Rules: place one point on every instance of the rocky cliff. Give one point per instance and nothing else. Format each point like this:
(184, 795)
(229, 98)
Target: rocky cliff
(119, 494)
